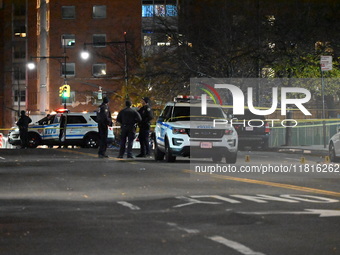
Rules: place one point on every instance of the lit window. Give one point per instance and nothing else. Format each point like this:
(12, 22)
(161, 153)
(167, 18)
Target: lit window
(68, 40)
(70, 69)
(147, 40)
(160, 10)
(19, 29)
(99, 69)
(99, 11)
(68, 12)
(99, 40)
(171, 10)
(147, 11)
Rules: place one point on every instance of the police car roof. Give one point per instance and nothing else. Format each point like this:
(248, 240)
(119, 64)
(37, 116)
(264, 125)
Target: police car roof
(195, 104)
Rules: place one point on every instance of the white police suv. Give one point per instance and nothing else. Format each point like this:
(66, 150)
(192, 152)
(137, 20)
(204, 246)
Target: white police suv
(63, 128)
(182, 130)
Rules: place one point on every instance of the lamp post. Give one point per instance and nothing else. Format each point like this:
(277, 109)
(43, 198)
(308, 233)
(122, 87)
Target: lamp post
(85, 55)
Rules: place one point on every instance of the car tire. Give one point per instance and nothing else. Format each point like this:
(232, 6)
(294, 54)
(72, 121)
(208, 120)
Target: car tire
(217, 158)
(158, 154)
(91, 141)
(168, 155)
(332, 154)
(231, 158)
(33, 140)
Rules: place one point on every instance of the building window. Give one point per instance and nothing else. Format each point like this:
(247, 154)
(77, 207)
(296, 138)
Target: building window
(99, 11)
(147, 11)
(171, 10)
(68, 12)
(19, 74)
(99, 40)
(159, 10)
(22, 96)
(19, 28)
(68, 40)
(99, 69)
(70, 69)
(19, 50)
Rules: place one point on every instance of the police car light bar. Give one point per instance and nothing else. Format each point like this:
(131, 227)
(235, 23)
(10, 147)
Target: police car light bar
(188, 98)
(61, 110)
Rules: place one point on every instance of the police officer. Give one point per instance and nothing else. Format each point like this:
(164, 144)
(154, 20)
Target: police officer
(128, 118)
(144, 127)
(104, 120)
(22, 123)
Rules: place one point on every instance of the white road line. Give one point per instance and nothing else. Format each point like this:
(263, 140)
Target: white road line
(2, 158)
(235, 245)
(187, 230)
(129, 205)
(294, 159)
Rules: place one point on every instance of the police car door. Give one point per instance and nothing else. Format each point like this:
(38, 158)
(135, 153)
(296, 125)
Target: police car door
(52, 129)
(162, 125)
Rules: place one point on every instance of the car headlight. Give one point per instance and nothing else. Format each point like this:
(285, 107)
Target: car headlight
(179, 131)
(228, 131)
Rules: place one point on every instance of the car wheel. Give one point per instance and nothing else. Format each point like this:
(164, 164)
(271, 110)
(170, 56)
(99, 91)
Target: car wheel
(332, 154)
(159, 155)
(91, 141)
(216, 158)
(33, 140)
(231, 158)
(168, 155)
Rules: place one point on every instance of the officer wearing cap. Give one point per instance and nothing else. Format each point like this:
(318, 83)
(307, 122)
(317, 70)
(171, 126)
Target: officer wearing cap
(104, 120)
(144, 127)
(128, 118)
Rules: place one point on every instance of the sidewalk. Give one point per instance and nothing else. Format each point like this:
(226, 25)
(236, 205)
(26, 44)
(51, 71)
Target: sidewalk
(307, 149)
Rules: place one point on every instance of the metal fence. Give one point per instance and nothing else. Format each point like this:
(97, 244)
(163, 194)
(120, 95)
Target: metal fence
(307, 133)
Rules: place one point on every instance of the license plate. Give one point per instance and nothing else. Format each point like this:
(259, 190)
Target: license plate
(249, 128)
(206, 145)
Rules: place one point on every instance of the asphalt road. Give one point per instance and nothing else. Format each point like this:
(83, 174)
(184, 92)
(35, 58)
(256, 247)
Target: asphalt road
(68, 201)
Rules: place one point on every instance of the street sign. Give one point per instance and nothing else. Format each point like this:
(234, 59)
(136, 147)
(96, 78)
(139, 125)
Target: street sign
(326, 63)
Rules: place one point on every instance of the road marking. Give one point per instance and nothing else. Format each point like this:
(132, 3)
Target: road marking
(321, 212)
(187, 230)
(267, 183)
(129, 205)
(234, 245)
(192, 201)
(2, 158)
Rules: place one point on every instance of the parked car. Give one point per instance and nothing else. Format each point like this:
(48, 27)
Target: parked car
(334, 147)
(253, 134)
(63, 128)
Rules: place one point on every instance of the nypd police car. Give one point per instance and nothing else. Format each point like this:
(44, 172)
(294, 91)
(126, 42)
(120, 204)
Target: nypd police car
(63, 128)
(182, 130)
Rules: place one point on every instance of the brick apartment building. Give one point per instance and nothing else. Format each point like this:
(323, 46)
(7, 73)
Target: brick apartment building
(52, 34)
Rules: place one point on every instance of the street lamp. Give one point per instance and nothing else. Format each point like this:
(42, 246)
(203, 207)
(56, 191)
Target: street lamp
(85, 55)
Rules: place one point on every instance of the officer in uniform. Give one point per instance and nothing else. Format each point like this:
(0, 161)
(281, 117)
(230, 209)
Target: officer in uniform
(23, 129)
(144, 127)
(128, 118)
(104, 120)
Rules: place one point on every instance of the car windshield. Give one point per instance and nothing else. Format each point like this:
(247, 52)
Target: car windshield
(194, 113)
(49, 119)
